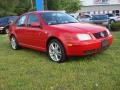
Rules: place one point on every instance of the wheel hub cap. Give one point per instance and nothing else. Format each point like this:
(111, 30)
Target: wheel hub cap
(55, 52)
(13, 43)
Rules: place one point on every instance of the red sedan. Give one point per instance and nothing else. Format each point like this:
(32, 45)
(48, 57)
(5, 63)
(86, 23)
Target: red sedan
(58, 34)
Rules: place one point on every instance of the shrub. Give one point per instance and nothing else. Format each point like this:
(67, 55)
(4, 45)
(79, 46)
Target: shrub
(115, 26)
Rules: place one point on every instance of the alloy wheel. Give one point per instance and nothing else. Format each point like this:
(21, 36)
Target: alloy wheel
(55, 51)
(13, 43)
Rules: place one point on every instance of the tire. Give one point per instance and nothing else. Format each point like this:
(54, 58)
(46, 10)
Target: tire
(14, 43)
(6, 30)
(56, 51)
(112, 21)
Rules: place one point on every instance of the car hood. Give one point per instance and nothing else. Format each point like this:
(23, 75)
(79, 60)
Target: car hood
(2, 25)
(79, 27)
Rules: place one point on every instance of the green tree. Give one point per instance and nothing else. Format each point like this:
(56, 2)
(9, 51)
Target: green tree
(53, 5)
(71, 5)
(16, 7)
(25, 6)
(7, 7)
(67, 5)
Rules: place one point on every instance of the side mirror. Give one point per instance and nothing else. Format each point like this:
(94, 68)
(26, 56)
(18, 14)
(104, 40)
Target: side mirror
(35, 24)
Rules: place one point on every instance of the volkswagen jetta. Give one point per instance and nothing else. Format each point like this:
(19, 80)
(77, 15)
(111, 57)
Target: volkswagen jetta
(58, 34)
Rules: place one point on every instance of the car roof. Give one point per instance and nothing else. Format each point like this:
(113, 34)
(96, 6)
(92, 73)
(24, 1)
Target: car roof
(41, 12)
(99, 14)
(8, 17)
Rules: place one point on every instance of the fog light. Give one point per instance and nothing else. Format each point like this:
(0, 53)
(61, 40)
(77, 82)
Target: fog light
(70, 45)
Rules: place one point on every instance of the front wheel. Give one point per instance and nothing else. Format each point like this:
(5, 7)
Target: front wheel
(56, 51)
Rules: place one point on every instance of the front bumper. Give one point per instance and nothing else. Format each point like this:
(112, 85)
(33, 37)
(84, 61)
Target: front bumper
(89, 47)
(1, 29)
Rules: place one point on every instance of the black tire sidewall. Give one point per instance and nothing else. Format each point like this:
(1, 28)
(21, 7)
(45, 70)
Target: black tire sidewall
(112, 21)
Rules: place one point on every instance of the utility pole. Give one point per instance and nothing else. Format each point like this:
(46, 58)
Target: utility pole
(40, 5)
(45, 4)
(32, 6)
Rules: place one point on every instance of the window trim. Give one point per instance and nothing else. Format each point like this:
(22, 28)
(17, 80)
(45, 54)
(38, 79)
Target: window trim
(24, 20)
(28, 20)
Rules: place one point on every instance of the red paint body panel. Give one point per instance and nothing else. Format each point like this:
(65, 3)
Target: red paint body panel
(37, 38)
(82, 47)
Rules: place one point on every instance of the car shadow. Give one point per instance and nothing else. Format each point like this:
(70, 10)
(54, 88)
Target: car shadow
(36, 52)
(44, 55)
(87, 58)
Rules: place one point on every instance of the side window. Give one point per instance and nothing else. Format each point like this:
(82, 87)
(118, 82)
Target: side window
(32, 18)
(21, 21)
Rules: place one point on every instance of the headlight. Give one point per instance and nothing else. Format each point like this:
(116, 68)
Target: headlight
(84, 37)
(1, 27)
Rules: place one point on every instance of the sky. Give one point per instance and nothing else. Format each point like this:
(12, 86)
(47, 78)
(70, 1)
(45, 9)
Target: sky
(87, 2)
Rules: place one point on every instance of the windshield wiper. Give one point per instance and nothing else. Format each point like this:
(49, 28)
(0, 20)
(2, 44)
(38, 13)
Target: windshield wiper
(70, 22)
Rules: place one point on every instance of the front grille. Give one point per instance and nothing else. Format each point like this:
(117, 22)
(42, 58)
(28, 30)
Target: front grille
(101, 34)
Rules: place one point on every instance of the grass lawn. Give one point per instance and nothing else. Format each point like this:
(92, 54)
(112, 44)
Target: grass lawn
(27, 69)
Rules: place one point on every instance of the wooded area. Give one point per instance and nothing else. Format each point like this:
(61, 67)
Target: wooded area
(17, 7)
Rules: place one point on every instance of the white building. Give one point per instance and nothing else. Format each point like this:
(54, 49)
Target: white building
(101, 6)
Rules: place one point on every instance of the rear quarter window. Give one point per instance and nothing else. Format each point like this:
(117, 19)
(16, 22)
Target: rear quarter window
(21, 21)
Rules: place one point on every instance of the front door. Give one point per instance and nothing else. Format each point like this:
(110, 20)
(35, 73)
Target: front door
(35, 35)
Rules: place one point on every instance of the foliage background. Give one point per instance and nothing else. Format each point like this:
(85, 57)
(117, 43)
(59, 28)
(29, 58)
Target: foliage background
(17, 7)
(67, 5)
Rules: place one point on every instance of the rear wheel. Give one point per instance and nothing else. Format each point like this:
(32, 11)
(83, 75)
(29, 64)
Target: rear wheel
(6, 30)
(56, 51)
(14, 43)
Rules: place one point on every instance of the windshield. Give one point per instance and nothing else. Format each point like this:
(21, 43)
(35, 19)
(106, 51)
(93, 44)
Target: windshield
(53, 18)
